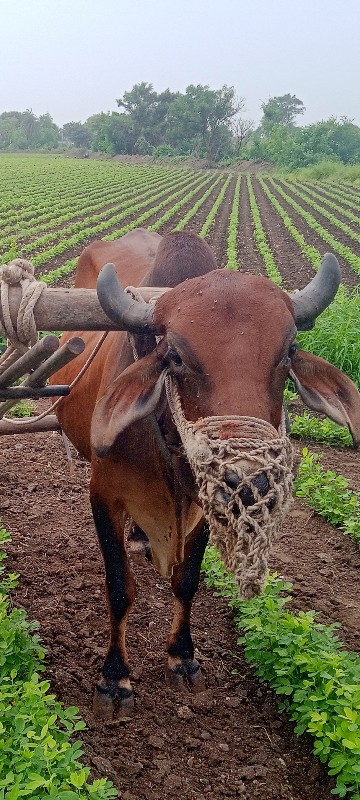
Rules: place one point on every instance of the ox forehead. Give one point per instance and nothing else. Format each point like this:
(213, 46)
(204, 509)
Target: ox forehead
(220, 328)
(224, 307)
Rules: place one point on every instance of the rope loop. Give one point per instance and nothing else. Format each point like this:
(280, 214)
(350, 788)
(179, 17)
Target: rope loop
(24, 334)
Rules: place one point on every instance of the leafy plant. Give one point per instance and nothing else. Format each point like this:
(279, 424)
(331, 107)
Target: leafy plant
(322, 430)
(39, 755)
(305, 663)
(260, 238)
(23, 408)
(328, 493)
(232, 261)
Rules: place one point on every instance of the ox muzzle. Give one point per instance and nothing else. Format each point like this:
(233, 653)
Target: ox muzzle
(243, 470)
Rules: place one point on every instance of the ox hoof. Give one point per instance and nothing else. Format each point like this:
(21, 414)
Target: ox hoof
(110, 700)
(185, 675)
(197, 682)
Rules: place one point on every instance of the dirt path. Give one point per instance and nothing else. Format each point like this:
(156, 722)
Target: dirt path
(227, 742)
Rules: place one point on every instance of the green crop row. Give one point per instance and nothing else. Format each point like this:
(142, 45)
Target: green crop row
(331, 201)
(170, 212)
(39, 754)
(344, 193)
(338, 247)
(94, 230)
(48, 177)
(232, 255)
(145, 194)
(64, 210)
(297, 190)
(261, 242)
(305, 663)
(214, 210)
(328, 493)
(195, 208)
(56, 274)
(311, 253)
(61, 196)
(66, 242)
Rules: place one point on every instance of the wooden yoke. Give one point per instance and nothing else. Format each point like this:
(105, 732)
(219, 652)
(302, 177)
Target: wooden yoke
(71, 309)
(59, 310)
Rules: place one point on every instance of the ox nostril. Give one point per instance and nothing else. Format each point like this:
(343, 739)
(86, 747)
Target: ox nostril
(246, 495)
(232, 479)
(262, 484)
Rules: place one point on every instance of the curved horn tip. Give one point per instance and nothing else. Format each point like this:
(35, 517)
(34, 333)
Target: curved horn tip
(131, 315)
(330, 264)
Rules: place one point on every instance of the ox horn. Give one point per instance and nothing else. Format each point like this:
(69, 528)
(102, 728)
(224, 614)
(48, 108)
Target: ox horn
(318, 294)
(121, 307)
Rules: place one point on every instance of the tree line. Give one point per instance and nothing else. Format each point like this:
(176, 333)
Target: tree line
(201, 122)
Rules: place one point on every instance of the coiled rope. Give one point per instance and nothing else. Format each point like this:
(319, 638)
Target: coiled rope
(18, 272)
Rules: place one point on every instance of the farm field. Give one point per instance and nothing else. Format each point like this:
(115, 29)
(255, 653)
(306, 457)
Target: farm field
(231, 740)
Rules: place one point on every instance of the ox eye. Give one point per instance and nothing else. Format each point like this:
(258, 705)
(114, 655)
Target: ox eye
(174, 357)
(292, 349)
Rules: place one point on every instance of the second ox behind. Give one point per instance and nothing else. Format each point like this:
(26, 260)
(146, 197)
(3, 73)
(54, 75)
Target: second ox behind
(227, 342)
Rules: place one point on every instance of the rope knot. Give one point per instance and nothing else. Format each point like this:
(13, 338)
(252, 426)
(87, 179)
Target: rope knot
(22, 334)
(17, 271)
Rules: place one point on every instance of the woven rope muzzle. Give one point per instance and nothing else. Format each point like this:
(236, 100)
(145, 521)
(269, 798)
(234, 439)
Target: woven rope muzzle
(226, 454)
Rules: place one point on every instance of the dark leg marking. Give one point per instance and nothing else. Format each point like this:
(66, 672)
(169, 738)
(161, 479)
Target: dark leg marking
(120, 590)
(185, 581)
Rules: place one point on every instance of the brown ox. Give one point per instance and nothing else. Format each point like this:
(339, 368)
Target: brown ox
(229, 340)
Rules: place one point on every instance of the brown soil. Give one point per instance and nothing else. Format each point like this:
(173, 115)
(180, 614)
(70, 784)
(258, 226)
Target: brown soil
(295, 269)
(349, 277)
(228, 741)
(339, 197)
(217, 235)
(196, 222)
(248, 256)
(331, 197)
(307, 205)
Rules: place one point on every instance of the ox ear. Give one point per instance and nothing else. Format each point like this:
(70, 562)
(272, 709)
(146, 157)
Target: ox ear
(325, 388)
(131, 397)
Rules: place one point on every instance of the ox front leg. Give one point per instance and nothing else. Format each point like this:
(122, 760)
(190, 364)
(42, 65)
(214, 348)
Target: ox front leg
(183, 669)
(114, 689)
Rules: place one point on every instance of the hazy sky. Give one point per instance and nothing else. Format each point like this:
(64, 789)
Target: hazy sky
(73, 58)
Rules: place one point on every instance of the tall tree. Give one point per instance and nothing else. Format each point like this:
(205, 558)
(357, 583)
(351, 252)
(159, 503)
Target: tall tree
(199, 121)
(281, 111)
(77, 133)
(148, 111)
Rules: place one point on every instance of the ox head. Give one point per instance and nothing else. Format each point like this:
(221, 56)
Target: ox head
(230, 340)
